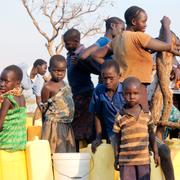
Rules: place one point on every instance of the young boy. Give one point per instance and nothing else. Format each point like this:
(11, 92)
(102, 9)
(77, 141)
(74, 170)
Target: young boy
(134, 133)
(106, 101)
(58, 109)
(82, 87)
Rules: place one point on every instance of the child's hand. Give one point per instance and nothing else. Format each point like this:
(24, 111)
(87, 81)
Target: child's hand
(1, 91)
(95, 144)
(116, 163)
(74, 59)
(157, 160)
(159, 123)
(166, 21)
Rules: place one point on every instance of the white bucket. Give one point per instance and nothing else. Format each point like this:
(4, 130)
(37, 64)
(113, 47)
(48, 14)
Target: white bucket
(69, 166)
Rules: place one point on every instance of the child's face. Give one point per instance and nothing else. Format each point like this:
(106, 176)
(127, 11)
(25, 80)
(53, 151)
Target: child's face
(132, 94)
(42, 69)
(8, 81)
(140, 22)
(71, 45)
(58, 71)
(110, 78)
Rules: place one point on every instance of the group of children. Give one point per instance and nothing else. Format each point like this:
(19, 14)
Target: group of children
(116, 109)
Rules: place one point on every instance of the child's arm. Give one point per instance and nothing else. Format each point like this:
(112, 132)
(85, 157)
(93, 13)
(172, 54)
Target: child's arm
(88, 51)
(116, 148)
(153, 144)
(3, 111)
(98, 128)
(158, 45)
(91, 49)
(169, 124)
(45, 95)
(117, 131)
(100, 53)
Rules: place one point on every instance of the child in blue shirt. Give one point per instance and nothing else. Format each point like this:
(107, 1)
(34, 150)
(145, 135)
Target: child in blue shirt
(106, 101)
(82, 87)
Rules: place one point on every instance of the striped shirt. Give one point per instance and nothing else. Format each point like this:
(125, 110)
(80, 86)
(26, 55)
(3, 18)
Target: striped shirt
(134, 138)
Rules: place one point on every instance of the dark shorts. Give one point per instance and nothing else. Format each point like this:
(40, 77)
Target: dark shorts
(132, 172)
(83, 123)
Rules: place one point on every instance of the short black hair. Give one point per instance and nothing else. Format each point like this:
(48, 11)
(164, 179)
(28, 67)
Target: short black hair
(109, 64)
(72, 34)
(17, 71)
(130, 80)
(39, 62)
(56, 58)
(111, 20)
(131, 13)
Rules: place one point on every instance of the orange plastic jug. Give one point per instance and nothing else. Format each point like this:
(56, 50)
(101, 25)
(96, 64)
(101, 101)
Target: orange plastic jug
(34, 131)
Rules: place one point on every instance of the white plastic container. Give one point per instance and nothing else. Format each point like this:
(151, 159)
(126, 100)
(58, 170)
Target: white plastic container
(69, 166)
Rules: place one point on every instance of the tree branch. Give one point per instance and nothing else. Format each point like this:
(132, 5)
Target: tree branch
(63, 14)
(90, 9)
(59, 47)
(34, 20)
(169, 124)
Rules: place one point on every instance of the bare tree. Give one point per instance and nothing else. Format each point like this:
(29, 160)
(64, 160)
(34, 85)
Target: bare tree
(52, 17)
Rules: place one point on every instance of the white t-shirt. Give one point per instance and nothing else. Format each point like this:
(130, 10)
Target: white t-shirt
(31, 87)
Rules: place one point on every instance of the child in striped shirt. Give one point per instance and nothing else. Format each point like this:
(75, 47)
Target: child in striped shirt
(134, 131)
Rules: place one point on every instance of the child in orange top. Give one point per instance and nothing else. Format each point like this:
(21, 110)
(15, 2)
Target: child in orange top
(130, 48)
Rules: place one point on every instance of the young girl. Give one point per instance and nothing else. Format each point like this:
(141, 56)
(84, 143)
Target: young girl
(13, 110)
(58, 109)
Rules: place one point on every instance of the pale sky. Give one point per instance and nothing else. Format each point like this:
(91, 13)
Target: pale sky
(21, 42)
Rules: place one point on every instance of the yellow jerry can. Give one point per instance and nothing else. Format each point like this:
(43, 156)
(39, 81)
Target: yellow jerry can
(38, 158)
(174, 145)
(13, 165)
(102, 162)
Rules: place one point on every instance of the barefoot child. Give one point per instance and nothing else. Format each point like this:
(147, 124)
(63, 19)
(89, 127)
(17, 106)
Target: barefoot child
(12, 111)
(58, 109)
(134, 133)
